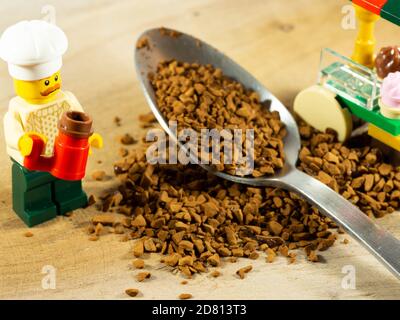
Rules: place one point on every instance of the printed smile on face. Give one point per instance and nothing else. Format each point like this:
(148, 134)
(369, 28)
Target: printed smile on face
(52, 84)
(39, 91)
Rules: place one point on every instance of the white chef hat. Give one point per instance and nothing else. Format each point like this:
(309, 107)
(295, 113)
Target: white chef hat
(33, 49)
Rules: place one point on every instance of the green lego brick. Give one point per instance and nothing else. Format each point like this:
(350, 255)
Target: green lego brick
(39, 197)
(34, 217)
(33, 179)
(72, 204)
(373, 6)
(374, 116)
(68, 195)
(391, 11)
(32, 201)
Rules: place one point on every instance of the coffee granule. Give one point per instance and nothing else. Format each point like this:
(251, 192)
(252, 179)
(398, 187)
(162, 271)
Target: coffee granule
(147, 118)
(242, 271)
(312, 256)
(185, 296)
(292, 257)
(127, 139)
(138, 264)
(215, 274)
(93, 237)
(98, 229)
(123, 152)
(141, 276)
(104, 219)
(143, 43)
(169, 32)
(254, 255)
(270, 255)
(138, 248)
(117, 121)
(98, 175)
(132, 292)
(90, 229)
(119, 229)
(28, 234)
(91, 200)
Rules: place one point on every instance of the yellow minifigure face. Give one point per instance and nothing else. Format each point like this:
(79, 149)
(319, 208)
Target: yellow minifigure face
(39, 91)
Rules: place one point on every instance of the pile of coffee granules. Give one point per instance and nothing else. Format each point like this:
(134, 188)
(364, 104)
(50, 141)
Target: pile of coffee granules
(360, 174)
(201, 97)
(194, 219)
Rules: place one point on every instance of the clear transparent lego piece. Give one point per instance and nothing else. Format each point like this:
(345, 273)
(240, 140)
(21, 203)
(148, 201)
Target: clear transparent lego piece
(348, 79)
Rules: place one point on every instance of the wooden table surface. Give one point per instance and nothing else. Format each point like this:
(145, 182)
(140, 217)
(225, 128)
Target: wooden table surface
(278, 41)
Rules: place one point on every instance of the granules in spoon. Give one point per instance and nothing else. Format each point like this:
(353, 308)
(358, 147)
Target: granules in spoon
(200, 96)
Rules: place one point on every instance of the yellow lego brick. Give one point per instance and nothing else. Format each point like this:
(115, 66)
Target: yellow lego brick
(385, 137)
(365, 44)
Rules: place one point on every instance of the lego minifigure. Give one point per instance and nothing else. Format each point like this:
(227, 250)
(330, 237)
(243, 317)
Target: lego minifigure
(33, 51)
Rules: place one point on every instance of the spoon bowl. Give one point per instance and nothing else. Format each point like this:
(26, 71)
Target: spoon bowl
(183, 47)
(167, 44)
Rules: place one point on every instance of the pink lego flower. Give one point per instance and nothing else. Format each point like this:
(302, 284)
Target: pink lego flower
(390, 90)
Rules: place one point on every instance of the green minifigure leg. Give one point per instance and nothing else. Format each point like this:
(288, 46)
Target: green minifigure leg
(32, 195)
(68, 195)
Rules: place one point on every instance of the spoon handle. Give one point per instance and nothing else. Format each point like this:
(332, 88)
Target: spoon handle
(378, 241)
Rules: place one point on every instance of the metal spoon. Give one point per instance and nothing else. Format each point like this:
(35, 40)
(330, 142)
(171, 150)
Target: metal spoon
(384, 246)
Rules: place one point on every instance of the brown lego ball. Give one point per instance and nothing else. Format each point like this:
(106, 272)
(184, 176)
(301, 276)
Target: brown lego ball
(387, 61)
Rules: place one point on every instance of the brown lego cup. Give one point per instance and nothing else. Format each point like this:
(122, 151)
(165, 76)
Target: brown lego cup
(76, 124)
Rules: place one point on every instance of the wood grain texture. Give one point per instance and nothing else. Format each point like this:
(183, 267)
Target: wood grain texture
(278, 41)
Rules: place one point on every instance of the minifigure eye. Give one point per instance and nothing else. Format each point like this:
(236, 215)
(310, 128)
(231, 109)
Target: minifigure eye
(56, 78)
(47, 82)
